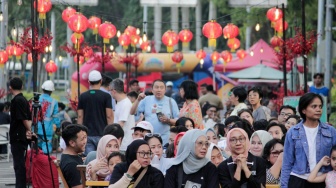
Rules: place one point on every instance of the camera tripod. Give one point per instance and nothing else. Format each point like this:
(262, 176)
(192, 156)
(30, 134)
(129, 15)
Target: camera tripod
(38, 117)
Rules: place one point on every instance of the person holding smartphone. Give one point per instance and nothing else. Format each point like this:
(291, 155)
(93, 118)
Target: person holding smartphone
(161, 111)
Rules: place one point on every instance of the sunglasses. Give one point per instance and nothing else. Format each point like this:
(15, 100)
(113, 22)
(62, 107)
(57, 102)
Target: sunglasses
(150, 135)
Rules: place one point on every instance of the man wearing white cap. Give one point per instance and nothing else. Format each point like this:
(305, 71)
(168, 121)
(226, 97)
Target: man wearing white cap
(94, 111)
(50, 116)
(141, 129)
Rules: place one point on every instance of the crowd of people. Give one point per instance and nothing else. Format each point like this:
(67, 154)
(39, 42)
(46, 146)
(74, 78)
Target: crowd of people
(179, 139)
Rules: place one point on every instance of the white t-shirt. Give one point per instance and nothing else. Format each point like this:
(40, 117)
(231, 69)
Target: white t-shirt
(311, 139)
(122, 113)
(311, 134)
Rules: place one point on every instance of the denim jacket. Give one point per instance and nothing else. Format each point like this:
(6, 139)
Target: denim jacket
(295, 158)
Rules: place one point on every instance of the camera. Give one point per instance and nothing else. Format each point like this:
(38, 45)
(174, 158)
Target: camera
(36, 96)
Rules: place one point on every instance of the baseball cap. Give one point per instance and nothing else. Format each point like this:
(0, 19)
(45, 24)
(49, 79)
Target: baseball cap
(144, 125)
(94, 76)
(169, 83)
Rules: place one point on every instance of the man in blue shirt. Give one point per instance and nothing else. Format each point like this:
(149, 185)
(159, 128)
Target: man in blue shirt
(50, 116)
(161, 111)
(318, 86)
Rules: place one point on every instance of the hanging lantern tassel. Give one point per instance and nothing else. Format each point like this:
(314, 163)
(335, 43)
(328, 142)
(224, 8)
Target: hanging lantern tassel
(185, 44)
(170, 49)
(212, 43)
(50, 74)
(18, 57)
(106, 40)
(95, 31)
(104, 48)
(178, 66)
(279, 34)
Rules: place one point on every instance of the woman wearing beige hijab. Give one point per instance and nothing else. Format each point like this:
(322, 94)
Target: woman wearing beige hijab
(98, 168)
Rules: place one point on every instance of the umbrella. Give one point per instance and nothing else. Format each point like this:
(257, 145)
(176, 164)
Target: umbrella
(258, 72)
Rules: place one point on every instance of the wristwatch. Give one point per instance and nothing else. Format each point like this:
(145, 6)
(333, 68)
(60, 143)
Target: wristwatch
(129, 176)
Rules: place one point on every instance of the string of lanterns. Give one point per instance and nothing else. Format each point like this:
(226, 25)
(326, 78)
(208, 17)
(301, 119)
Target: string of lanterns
(212, 30)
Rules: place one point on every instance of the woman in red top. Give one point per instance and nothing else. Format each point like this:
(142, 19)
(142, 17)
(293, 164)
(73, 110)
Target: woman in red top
(191, 108)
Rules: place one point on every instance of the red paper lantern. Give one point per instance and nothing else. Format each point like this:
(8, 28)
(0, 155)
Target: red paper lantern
(279, 26)
(135, 40)
(17, 51)
(170, 39)
(227, 56)
(276, 41)
(185, 37)
(241, 54)
(107, 31)
(3, 57)
(94, 23)
(10, 50)
(214, 57)
(78, 23)
(130, 31)
(67, 13)
(230, 31)
(51, 67)
(43, 6)
(274, 14)
(124, 40)
(212, 30)
(200, 54)
(81, 59)
(233, 44)
(177, 57)
(74, 39)
(144, 46)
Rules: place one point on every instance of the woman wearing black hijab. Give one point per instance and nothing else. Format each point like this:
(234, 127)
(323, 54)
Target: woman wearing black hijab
(138, 155)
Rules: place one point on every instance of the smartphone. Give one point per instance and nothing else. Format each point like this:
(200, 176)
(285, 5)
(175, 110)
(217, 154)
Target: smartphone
(159, 114)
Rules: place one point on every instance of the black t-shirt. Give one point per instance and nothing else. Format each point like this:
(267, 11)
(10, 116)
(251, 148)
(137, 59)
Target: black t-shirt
(68, 166)
(153, 178)
(207, 176)
(19, 111)
(94, 104)
(257, 178)
(4, 118)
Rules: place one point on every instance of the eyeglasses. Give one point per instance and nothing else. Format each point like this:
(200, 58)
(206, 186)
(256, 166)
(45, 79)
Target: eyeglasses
(276, 153)
(284, 114)
(235, 140)
(201, 144)
(150, 135)
(144, 154)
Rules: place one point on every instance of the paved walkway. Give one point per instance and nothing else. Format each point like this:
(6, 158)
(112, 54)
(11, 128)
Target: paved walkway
(7, 176)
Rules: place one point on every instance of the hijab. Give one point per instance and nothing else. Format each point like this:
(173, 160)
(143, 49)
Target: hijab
(175, 141)
(247, 143)
(211, 147)
(264, 137)
(186, 153)
(102, 154)
(131, 154)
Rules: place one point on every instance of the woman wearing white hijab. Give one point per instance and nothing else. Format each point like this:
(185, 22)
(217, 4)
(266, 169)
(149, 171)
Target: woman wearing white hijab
(214, 154)
(258, 141)
(191, 168)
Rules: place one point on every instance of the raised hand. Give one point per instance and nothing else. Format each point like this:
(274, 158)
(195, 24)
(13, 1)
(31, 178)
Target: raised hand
(134, 167)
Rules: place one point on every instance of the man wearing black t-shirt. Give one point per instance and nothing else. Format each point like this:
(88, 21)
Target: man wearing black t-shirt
(94, 111)
(75, 138)
(20, 130)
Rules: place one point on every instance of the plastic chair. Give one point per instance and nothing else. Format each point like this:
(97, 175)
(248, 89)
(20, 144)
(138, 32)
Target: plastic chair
(4, 138)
